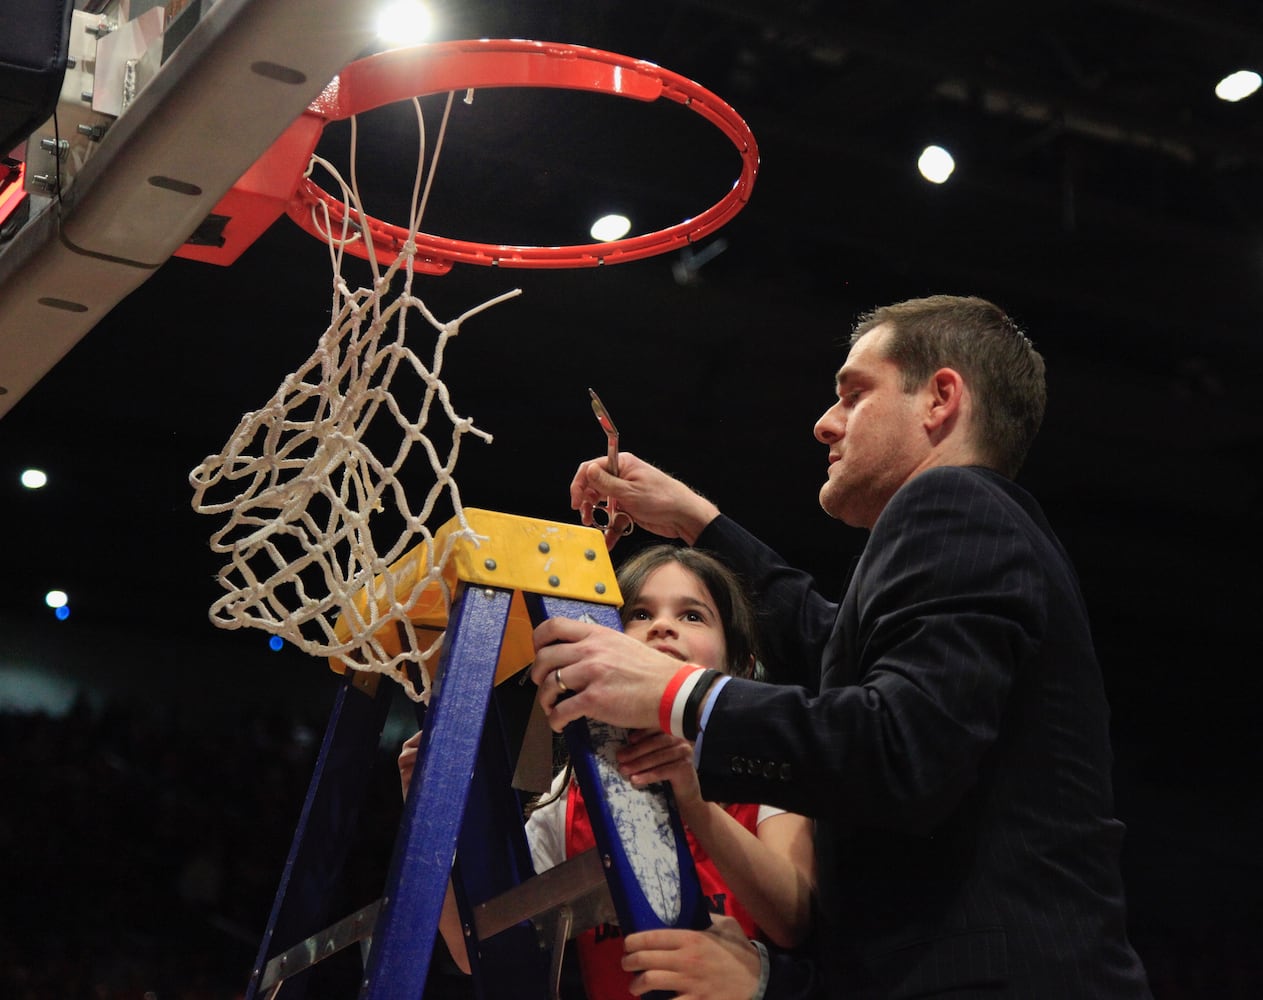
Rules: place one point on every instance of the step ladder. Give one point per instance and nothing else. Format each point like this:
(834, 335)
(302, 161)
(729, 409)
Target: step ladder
(462, 805)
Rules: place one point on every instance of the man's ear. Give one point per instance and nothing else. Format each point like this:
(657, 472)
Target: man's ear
(947, 390)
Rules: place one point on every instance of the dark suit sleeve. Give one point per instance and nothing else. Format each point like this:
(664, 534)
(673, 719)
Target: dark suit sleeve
(792, 976)
(948, 604)
(794, 618)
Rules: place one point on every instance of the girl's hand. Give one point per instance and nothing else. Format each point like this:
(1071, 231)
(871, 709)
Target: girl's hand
(651, 756)
(408, 760)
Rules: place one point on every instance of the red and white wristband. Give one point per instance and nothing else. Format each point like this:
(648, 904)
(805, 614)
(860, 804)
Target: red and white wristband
(678, 709)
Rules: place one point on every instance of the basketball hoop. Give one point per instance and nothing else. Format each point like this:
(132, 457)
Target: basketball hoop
(403, 74)
(317, 517)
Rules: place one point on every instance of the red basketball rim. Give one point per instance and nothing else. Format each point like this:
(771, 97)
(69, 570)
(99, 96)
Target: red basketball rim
(402, 74)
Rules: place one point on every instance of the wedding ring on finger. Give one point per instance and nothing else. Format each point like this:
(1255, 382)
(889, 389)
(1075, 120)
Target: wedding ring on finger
(561, 685)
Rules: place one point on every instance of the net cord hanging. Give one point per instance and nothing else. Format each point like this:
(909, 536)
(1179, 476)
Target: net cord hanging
(302, 484)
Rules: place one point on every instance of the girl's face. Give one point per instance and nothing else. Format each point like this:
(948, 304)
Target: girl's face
(675, 614)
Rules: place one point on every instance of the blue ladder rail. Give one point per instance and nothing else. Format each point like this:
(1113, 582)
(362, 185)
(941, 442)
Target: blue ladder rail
(462, 804)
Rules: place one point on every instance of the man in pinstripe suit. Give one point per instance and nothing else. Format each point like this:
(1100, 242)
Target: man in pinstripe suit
(945, 724)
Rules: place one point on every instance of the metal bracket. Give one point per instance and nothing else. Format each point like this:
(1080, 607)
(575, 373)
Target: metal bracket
(576, 887)
(356, 927)
(559, 952)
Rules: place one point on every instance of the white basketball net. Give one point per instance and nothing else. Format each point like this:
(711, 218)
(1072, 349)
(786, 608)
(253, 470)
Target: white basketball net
(311, 481)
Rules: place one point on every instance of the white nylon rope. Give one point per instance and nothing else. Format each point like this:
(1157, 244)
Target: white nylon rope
(301, 483)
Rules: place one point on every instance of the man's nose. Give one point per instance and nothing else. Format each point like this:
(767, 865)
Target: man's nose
(829, 427)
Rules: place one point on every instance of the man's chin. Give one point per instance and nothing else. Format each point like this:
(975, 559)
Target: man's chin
(833, 502)
(830, 501)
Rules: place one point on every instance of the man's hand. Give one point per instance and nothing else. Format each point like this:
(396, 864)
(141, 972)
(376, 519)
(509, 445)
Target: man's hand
(718, 964)
(654, 500)
(615, 678)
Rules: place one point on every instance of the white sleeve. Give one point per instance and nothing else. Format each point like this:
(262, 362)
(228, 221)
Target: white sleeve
(767, 812)
(546, 827)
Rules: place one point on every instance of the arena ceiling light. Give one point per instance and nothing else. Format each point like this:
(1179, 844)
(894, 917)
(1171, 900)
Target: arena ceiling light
(936, 164)
(611, 227)
(1238, 86)
(404, 23)
(59, 601)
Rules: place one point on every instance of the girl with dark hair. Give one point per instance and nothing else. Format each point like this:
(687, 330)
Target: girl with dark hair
(755, 863)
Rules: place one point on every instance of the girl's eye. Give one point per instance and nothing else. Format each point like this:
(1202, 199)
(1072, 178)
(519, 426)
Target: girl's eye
(638, 615)
(694, 616)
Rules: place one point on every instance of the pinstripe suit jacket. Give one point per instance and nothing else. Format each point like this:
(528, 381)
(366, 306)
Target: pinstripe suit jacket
(947, 727)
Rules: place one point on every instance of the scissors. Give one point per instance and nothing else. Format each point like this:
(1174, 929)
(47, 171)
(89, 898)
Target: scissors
(613, 522)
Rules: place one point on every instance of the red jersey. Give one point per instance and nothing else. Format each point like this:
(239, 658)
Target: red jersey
(601, 948)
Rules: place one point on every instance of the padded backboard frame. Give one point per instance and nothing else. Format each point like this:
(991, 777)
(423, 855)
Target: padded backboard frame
(245, 71)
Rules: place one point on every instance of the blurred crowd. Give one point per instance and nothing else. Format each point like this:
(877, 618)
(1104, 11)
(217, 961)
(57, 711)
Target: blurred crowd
(141, 847)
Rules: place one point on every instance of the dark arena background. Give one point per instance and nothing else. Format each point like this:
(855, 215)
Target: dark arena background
(152, 766)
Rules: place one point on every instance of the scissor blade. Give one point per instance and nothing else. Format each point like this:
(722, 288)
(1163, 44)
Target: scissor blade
(613, 531)
(602, 414)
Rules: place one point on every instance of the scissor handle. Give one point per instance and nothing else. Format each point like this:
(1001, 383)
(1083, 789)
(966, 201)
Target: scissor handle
(612, 520)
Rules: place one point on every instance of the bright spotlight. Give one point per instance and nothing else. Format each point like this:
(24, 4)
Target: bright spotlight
(608, 228)
(34, 479)
(1238, 86)
(936, 164)
(403, 23)
(56, 598)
